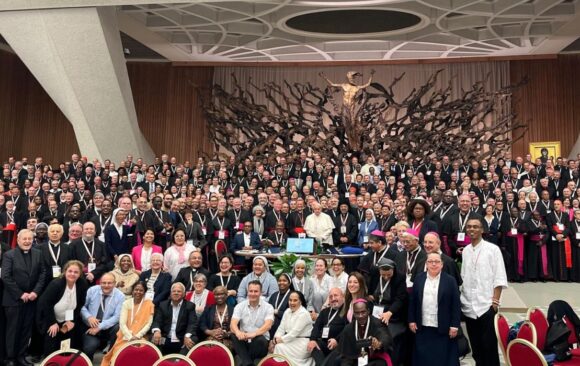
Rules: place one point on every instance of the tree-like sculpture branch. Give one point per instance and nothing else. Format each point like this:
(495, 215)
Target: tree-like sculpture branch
(301, 116)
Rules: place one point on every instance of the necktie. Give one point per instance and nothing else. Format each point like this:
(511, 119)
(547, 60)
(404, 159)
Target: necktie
(102, 307)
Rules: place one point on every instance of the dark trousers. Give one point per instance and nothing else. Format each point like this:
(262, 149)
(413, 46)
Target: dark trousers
(482, 338)
(320, 355)
(92, 343)
(173, 347)
(52, 344)
(248, 352)
(19, 320)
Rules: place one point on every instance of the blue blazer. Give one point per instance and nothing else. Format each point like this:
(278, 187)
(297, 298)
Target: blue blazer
(449, 306)
(362, 232)
(162, 286)
(238, 244)
(117, 244)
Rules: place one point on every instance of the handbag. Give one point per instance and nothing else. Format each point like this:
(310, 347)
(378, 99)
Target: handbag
(462, 344)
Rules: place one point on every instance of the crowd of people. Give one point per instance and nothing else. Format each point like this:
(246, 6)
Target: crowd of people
(98, 254)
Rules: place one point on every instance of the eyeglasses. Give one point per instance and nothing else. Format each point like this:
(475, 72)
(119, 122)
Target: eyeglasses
(433, 261)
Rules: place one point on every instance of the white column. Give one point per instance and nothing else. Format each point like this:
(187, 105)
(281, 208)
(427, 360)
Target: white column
(77, 57)
(575, 150)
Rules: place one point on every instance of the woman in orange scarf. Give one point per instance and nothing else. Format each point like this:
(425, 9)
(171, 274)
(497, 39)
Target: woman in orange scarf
(136, 318)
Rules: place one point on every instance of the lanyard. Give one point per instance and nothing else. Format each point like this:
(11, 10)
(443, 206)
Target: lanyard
(366, 330)
(221, 318)
(221, 223)
(462, 222)
(383, 288)
(201, 221)
(331, 318)
(103, 307)
(444, 212)
(222, 280)
(54, 257)
(514, 222)
(375, 261)
(101, 224)
(283, 298)
(558, 217)
(91, 252)
(279, 238)
(410, 264)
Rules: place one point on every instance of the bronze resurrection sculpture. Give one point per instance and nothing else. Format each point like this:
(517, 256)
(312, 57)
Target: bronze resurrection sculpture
(370, 120)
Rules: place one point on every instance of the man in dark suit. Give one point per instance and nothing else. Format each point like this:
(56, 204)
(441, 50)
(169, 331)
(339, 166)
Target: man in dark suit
(92, 252)
(327, 327)
(54, 253)
(159, 221)
(24, 277)
(412, 260)
(176, 321)
(345, 230)
(186, 275)
(432, 244)
(454, 225)
(247, 239)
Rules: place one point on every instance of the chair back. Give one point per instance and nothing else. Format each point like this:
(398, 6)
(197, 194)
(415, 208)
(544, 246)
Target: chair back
(174, 360)
(220, 249)
(522, 353)
(211, 353)
(62, 358)
(538, 318)
(274, 359)
(138, 352)
(573, 338)
(528, 332)
(502, 329)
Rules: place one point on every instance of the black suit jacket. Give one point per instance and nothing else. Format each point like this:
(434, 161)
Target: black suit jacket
(161, 287)
(186, 320)
(63, 257)
(448, 304)
(101, 256)
(208, 315)
(18, 279)
(401, 262)
(185, 275)
(45, 316)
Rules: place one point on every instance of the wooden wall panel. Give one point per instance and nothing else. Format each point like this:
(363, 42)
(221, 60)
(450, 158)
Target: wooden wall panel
(32, 125)
(549, 103)
(169, 109)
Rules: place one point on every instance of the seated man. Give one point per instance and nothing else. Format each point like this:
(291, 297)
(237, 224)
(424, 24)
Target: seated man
(327, 327)
(174, 326)
(251, 323)
(101, 315)
(248, 239)
(365, 340)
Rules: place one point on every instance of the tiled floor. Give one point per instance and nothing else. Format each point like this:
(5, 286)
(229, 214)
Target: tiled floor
(520, 297)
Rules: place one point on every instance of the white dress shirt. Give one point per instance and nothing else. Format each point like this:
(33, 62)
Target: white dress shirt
(482, 271)
(430, 305)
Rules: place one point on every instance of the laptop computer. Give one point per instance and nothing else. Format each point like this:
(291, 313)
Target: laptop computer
(300, 245)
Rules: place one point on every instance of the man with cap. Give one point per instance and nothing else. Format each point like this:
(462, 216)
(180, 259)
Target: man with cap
(327, 328)
(412, 260)
(379, 250)
(390, 300)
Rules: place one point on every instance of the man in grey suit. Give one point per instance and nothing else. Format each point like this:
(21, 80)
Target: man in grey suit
(24, 276)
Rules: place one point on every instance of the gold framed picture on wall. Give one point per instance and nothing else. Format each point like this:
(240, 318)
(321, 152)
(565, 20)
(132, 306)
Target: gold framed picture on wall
(545, 150)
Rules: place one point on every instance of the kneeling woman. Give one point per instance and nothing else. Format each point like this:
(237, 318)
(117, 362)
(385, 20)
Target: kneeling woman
(292, 337)
(59, 308)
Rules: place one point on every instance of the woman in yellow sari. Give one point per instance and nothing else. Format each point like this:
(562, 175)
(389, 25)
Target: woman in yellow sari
(136, 318)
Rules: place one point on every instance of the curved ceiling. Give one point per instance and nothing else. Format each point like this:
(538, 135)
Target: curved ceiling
(319, 30)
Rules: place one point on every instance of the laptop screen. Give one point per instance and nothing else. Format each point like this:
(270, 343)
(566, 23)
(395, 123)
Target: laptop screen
(300, 245)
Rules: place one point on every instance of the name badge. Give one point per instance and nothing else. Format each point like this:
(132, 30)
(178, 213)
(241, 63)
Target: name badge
(484, 205)
(101, 237)
(65, 345)
(553, 238)
(403, 176)
(577, 235)
(514, 231)
(149, 295)
(92, 267)
(303, 169)
(69, 315)
(343, 229)
(365, 239)
(549, 211)
(363, 360)
(204, 230)
(325, 332)
(221, 235)
(346, 194)
(190, 241)
(460, 236)
(378, 311)
(428, 172)
(560, 226)
(302, 235)
(55, 271)
(237, 225)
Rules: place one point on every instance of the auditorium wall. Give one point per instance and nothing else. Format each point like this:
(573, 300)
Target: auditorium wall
(171, 116)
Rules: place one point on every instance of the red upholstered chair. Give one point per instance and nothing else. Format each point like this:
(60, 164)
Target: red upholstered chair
(502, 329)
(220, 249)
(538, 318)
(528, 332)
(62, 358)
(211, 353)
(139, 352)
(174, 360)
(522, 353)
(275, 360)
